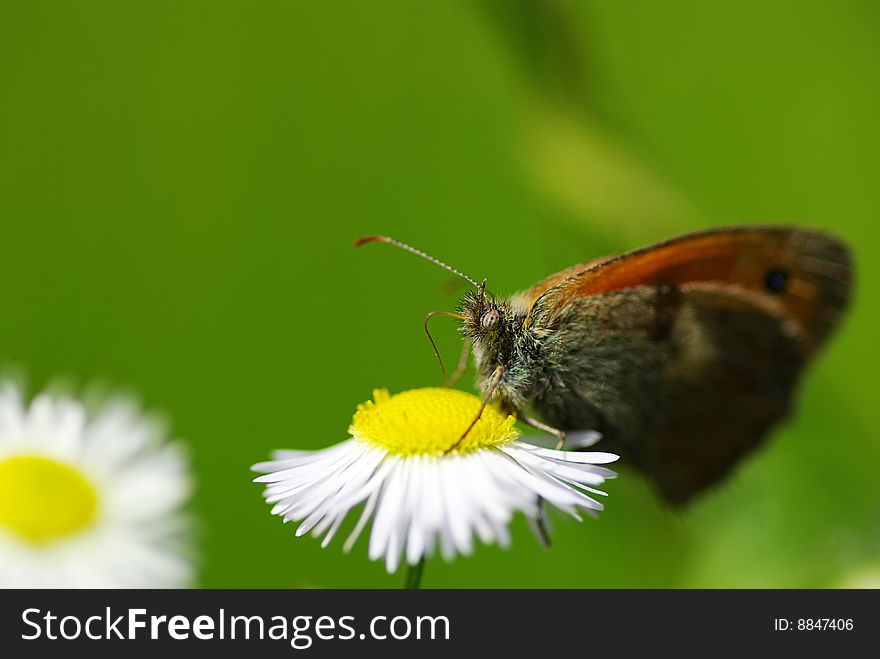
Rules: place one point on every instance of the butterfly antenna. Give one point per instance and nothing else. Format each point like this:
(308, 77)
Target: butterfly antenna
(417, 252)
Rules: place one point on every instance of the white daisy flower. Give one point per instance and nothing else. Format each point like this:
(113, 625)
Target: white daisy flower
(419, 494)
(89, 500)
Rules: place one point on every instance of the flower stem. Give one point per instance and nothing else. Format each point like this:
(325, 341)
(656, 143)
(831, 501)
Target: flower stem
(414, 575)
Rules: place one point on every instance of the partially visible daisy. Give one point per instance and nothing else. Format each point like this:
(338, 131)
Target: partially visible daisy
(89, 500)
(419, 494)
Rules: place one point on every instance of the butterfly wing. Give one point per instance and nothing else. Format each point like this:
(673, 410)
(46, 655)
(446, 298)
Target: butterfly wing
(684, 354)
(802, 275)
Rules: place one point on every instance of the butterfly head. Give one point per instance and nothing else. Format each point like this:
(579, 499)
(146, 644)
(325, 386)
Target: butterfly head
(485, 319)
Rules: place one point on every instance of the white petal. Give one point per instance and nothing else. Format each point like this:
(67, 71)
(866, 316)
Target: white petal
(418, 503)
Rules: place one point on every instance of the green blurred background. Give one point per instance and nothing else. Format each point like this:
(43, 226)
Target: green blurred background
(180, 183)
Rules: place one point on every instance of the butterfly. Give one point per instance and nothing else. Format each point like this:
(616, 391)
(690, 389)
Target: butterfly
(683, 355)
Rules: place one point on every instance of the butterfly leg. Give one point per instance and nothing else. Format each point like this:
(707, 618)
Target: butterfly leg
(462, 365)
(571, 440)
(494, 380)
(538, 524)
(534, 423)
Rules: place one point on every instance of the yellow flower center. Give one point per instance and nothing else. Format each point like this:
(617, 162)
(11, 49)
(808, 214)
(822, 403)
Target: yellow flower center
(42, 500)
(430, 421)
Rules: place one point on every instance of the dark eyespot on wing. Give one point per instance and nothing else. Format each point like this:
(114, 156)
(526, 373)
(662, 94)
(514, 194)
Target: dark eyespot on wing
(776, 281)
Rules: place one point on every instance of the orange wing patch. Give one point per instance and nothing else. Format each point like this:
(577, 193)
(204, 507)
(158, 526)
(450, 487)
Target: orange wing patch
(803, 272)
(529, 296)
